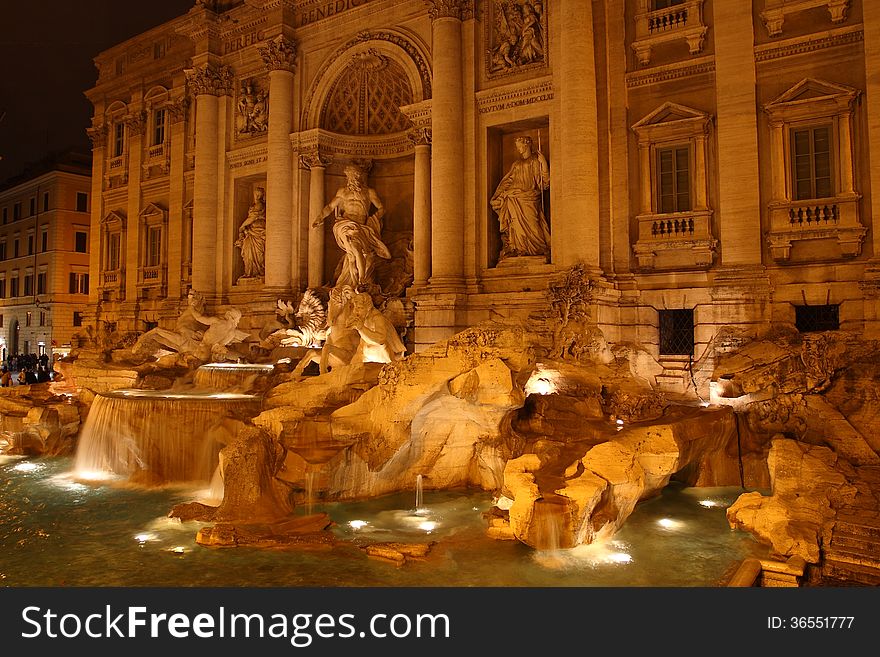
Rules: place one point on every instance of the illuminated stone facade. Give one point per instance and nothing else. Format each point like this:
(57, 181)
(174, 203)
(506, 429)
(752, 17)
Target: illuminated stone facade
(701, 158)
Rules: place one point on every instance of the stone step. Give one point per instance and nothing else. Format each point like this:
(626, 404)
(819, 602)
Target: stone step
(856, 557)
(855, 543)
(853, 527)
(852, 573)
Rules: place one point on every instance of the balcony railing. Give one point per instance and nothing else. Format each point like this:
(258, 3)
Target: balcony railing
(156, 152)
(679, 240)
(679, 22)
(111, 278)
(833, 218)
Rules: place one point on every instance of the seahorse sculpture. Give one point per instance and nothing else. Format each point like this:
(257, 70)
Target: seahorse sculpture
(311, 321)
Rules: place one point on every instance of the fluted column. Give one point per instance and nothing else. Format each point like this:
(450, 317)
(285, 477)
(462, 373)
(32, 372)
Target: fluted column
(177, 197)
(447, 125)
(577, 229)
(207, 83)
(421, 137)
(317, 164)
(279, 56)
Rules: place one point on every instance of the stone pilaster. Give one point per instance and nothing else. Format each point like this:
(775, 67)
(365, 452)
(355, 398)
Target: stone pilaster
(279, 56)
(135, 127)
(207, 83)
(98, 136)
(317, 164)
(575, 235)
(447, 126)
(871, 286)
(177, 198)
(421, 137)
(739, 209)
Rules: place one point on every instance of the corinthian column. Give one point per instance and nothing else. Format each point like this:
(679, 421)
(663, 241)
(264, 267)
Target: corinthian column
(207, 83)
(421, 137)
(317, 164)
(447, 126)
(98, 136)
(279, 56)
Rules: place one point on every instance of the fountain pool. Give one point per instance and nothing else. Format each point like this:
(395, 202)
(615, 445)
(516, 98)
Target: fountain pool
(57, 531)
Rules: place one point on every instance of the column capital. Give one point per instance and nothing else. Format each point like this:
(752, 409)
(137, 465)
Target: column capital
(315, 158)
(209, 80)
(136, 122)
(98, 135)
(279, 54)
(178, 108)
(460, 9)
(420, 136)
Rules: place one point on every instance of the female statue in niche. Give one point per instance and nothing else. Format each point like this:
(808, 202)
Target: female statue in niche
(252, 237)
(518, 200)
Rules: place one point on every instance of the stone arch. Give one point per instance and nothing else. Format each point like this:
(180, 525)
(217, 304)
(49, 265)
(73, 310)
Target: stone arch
(399, 53)
(156, 96)
(116, 109)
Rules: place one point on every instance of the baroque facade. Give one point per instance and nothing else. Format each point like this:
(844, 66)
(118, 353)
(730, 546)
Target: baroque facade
(708, 166)
(44, 256)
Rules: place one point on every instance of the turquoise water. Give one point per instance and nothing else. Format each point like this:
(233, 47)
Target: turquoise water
(55, 531)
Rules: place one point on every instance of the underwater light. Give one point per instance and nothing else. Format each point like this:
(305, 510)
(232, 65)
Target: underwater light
(27, 467)
(143, 538)
(358, 524)
(178, 550)
(620, 557)
(428, 526)
(668, 523)
(709, 503)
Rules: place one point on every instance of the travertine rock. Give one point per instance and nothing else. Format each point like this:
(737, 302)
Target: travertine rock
(808, 485)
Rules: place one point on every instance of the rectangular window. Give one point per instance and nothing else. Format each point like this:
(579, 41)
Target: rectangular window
(16, 211)
(2, 288)
(44, 241)
(673, 180)
(81, 242)
(33, 207)
(1, 321)
(30, 244)
(118, 139)
(154, 246)
(5, 215)
(82, 202)
(158, 50)
(677, 332)
(42, 318)
(41, 282)
(79, 283)
(158, 127)
(77, 318)
(811, 163)
(665, 4)
(28, 284)
(113, 252)
(13, 287)
(27, 318)
(809, 319)
(2, 250)
(15, 249)
(45, 201)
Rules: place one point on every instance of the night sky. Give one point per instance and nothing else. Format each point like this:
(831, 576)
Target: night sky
(47, 49)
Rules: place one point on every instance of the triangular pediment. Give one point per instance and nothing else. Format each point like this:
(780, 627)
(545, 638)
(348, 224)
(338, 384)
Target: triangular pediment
(151, 209)
(813, 89)
(113, 217)
(670, 113)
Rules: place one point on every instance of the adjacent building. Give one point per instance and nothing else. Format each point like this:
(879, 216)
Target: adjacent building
(44, 256)
(710, 161)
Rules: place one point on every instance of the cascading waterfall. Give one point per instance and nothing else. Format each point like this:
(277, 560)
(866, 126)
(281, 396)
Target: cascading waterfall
(157, 436)
(229, 376)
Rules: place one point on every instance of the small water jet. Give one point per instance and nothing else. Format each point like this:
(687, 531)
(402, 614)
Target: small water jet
(419, 494)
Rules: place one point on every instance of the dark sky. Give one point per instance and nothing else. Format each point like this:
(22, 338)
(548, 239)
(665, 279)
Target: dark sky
(47, 49)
